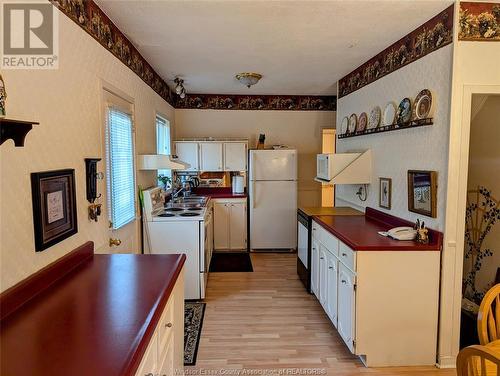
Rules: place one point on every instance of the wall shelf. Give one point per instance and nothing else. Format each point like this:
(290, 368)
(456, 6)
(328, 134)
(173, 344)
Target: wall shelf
(15, 130)
(390, 128)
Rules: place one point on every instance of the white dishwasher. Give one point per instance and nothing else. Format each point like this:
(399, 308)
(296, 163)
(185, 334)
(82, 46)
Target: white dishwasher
(303, 249)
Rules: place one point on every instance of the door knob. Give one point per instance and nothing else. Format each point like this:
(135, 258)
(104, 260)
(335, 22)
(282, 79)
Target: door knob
(113, 242)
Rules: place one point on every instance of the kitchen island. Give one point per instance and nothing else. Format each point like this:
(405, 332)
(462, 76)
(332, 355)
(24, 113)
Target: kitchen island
(89, 314)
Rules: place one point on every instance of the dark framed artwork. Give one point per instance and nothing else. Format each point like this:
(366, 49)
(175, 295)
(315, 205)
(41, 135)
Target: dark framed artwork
(422, 192)
(385, 193)
(54, 207)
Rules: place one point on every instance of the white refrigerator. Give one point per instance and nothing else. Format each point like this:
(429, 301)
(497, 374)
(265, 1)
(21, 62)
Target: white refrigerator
(273, 199)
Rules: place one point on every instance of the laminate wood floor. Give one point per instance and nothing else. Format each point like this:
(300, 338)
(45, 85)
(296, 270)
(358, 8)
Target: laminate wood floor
(264, 323)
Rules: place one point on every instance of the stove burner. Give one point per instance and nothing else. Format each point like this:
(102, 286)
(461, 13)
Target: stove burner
(166, 215)
(195, 209)
(173, 209)
(188, 214)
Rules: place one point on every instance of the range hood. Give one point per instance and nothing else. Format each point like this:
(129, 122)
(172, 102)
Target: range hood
(160, 162)
(347, 168)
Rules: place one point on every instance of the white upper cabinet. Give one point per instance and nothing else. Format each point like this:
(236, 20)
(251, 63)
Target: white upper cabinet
(211, 156)
(188, 152)
(235, 156)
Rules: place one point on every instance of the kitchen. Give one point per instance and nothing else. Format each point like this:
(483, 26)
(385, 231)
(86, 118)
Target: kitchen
(287, 203)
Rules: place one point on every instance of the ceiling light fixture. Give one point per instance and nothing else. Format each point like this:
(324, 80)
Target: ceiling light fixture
(248, 78)
(179, 87)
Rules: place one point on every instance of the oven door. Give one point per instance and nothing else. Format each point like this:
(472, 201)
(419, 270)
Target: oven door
(303, 234)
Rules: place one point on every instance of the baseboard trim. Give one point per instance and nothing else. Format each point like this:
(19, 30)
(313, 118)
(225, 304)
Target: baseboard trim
(446, 362)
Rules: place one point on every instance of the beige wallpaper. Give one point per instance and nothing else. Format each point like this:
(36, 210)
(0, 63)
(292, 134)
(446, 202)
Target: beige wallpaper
(67, 103)
(299, 129)
(395, 153)
(484, 170)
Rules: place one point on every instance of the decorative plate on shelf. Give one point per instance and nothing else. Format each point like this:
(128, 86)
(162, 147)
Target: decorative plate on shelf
(423, 105)
(389, 114)
(403, 115)
(353, 123)
(362, 122)
(344, 125)
(374, 120)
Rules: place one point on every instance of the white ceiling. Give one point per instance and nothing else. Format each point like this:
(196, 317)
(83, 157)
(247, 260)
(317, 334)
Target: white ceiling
(300, 47)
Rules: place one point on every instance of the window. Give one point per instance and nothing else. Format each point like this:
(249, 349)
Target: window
(120, 167)
(163, 144)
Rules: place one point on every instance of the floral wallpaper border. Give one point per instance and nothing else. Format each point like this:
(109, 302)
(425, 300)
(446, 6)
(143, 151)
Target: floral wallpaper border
(94, 21)
(432, 35)
(258, 102)
(479, 21)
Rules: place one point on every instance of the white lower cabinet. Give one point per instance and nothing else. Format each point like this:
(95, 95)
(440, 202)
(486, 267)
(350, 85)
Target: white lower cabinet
(346, 308)
(230, 224)
(366, 296)
(164, 355)
(315, 266)
(332, 271)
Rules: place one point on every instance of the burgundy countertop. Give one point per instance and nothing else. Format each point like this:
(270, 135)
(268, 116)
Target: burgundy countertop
(97, 319)
(361, 232)
(218, 192)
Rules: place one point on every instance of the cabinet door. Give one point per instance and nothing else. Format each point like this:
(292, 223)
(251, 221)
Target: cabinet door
(238, 225)
(167, 363)
(221, 225)
(322, 275)
(332, 285)
(346, 308)
(211, 156)
(315, 267)
(188, 152)
(235, 156)
(149, 363)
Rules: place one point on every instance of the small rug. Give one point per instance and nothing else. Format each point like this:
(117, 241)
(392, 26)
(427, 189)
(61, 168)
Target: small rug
(231, 262)
(193, 320)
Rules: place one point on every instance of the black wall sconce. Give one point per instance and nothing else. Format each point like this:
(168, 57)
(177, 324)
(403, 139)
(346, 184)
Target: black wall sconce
(92, 175)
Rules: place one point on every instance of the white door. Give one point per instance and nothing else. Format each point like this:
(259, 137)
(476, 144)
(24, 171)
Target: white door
(273, 164)
(315, 267)
(332, 283)
(346, 302)
(221, 225)
(211, 156)
(273, 215)
(238, 225)
(188, 152)
(322, 276)
(235, 156)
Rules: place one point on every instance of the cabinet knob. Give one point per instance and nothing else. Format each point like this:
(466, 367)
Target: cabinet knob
(168, 325)
(149, 374)
(344, 254)
(321, 258)
(344, 281)
(113, 242)
(330, 267)
(314, 248)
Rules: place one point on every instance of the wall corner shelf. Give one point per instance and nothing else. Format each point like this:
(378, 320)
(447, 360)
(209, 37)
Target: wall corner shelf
(390, 128)
(15, 130)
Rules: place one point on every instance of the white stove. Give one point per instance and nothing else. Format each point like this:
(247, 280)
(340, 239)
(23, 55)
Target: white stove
(181, 227)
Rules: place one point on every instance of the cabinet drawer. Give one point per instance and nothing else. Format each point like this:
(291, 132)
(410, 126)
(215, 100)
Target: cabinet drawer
(315, 230)
(347, 256)
(330, 241)
(165, 327)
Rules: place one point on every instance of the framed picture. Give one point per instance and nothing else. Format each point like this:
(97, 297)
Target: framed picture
(54, 207)
(422, 192)
(385, 193)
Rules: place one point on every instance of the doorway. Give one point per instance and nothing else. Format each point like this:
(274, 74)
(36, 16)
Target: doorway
(481, 263)
(328, 146)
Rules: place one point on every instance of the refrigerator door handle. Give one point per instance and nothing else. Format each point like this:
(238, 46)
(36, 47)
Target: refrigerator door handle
(254, 205)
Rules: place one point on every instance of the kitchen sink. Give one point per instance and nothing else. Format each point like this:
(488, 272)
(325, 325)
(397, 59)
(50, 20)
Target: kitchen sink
(189, 201)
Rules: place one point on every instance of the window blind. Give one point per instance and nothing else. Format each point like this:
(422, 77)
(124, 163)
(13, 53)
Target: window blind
(120, 167)
(163, 141)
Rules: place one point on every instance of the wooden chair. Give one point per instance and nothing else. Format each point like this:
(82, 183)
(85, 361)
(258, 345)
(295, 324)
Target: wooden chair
(477, 360)
(488, 319)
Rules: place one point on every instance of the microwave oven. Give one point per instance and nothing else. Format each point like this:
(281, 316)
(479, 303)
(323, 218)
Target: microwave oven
(324, 167)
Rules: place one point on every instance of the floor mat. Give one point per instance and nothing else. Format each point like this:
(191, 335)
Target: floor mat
(193, 321)
(231, 262)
